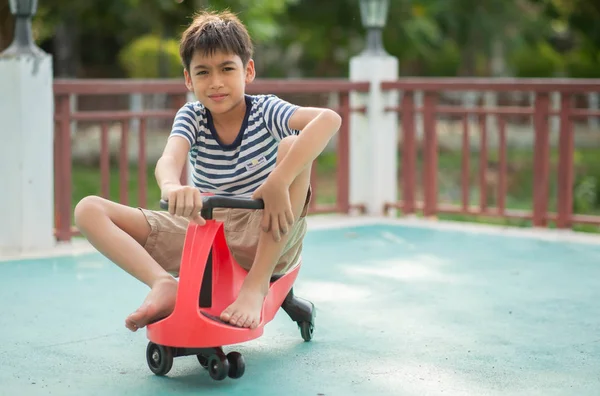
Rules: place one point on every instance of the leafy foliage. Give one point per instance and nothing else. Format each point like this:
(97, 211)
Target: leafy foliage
(151, 57)
(538, 60)
(317, 38)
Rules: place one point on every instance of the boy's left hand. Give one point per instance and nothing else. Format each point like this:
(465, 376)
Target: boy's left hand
(278, 216)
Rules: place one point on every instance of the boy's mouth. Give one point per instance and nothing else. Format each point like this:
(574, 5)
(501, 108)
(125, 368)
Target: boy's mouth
(218, 97)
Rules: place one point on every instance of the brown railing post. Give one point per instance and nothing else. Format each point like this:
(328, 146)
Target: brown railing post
(565, 165)
(541, 159)
(124, 164)
(465, 171)
(430, 154)
(105, 161)
(502, 169)
(62, 141)
(483, 164)
(142, 166)
(57, 175)
(343, 174)
(409, 152)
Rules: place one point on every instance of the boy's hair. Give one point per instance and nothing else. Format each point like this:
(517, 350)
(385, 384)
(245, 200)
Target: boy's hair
(210, 32)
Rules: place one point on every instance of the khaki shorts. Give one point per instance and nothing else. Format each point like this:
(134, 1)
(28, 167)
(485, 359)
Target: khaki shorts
(242, 232)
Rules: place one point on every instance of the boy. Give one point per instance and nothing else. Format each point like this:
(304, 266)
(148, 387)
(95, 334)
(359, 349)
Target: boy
(238, 145)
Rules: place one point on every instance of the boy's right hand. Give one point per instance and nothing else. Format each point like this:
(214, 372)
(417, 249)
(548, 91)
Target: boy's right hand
(184, 201)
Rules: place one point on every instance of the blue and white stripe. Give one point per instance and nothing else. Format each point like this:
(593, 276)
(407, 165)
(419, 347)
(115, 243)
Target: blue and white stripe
(235, 170)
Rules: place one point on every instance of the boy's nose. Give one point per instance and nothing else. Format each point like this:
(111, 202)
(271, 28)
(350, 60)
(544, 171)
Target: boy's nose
(216, 83)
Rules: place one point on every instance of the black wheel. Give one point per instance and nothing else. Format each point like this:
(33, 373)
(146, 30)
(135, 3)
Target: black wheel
(203, 360)
(218, 366)
(237, 365)
(159, 358)
(306, 330)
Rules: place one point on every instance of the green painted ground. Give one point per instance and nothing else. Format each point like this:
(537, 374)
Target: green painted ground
(401, 311)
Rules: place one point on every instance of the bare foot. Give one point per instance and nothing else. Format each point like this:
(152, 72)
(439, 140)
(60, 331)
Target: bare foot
(159, 303)
(246, 309)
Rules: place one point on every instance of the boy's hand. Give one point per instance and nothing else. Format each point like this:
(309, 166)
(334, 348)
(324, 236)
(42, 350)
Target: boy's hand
(184, 201)
(278, 216)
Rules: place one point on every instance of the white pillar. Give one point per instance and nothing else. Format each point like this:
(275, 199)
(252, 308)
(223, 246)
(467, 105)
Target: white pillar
(374, 135)
(26, 153)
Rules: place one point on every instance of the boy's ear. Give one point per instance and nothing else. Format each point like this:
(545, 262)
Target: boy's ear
(250, 72)
(188, 80)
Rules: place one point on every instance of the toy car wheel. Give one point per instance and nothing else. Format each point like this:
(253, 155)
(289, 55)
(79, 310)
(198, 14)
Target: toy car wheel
(203, 360)
(237, 365)
(306, 330)
(159, 358)
(218, 366)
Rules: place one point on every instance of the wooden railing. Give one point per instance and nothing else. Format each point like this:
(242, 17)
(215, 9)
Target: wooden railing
(541, 112)
(65, 90)
(432, 109)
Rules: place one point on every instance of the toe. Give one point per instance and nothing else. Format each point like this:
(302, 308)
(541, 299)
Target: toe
(242, 321)
(137, 319)
(247, 323)
(130, 321)
(234, 318)
(226, 315)
(130, 325)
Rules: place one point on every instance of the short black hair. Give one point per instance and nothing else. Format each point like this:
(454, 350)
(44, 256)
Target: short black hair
(210, 32)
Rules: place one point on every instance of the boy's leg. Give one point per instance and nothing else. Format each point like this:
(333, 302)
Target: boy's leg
(120, 232)
(246, 309)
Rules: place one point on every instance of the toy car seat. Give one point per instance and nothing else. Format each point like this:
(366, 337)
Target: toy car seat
(209, 281)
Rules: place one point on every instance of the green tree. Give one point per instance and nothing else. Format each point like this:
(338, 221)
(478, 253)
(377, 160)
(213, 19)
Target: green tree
(576, 32)
(6, 25)
(317, 38)
(93, 33)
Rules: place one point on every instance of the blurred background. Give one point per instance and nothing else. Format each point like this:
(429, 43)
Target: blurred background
(316, 38)
(299, 39)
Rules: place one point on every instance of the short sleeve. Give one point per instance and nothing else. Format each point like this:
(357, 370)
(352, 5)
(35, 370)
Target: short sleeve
(277, 113)
(186, 124)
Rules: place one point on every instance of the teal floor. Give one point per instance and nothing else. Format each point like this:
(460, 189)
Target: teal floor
(401, 311)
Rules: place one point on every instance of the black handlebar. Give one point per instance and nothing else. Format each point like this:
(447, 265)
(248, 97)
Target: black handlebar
(217, 201)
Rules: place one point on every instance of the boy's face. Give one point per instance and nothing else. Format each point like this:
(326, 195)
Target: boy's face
(219, 80)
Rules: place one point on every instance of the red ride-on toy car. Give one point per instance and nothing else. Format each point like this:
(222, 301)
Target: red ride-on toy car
(209, 281)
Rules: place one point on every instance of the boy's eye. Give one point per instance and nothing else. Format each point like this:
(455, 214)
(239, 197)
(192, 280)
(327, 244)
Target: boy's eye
(201, 72)
(228, 68)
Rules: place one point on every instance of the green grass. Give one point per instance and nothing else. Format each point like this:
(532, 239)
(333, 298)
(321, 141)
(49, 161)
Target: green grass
(520, 182)
(520, 176)
(86, 181)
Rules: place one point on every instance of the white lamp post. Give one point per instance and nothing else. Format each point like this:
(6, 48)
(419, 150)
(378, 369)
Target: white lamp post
(373, 135)
(374, 15)
(27, 115)
(23, 43)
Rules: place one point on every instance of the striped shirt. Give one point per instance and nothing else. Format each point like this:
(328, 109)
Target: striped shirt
(237, 169)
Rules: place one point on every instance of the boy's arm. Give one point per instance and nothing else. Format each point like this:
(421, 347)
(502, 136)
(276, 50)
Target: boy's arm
(183, 200)
(170, 165)
(317, 127)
